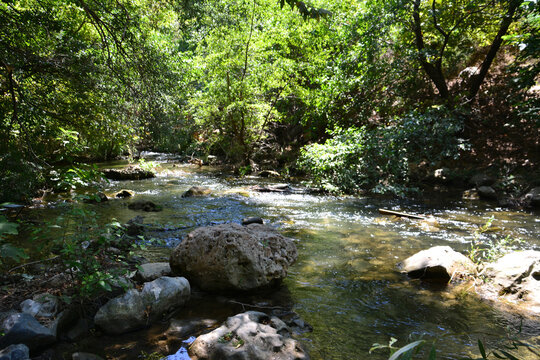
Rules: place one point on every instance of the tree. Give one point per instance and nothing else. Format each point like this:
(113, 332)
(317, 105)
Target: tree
(440, 28)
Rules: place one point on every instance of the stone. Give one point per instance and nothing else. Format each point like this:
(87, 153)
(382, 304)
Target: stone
(252, 220)
(533, 197)
(197, 191)
(43, 305)
(249, 336)
(439, 264)
(144, 205)
(233, 257)
(15, 352)
(122, 194)
(442, 175)
(128, 173)
(122, 314)
(516, 277)
(481, 180)
(135, 226)
(487, 193)
(135, 309)
(152, 271)
(24, 329)
(85, 356)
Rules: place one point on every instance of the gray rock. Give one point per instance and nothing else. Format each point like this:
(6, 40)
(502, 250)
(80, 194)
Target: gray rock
(85, 356)
(197, 191)
(233, 257)
(122, 314)
(43, 305)
(471, 194)
(129, 173)
(152, 271)
(164, 294)
(481, 180)
(249, 336)
(15, 352)
(268, 173)
(136, 309)
(24, 329)
(487, 192)
(439, 263)
(533, 197)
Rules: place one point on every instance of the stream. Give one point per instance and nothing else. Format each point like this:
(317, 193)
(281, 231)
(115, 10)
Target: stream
(345, 282)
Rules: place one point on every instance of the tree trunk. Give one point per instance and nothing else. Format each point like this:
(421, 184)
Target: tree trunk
(477, 79)
(434, 72)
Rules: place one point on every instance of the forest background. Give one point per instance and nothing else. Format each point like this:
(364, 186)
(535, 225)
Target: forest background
(358, 95)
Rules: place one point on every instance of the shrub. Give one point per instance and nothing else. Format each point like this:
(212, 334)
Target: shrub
(379, 160)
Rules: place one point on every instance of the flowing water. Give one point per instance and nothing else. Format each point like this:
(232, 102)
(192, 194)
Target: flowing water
(345, 282)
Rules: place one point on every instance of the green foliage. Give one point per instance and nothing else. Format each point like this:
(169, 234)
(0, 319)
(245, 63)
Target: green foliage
(77, 176)
(379, 159)
(413, 350)
(488, 246)
(7, 250)
(147, 165)
(84, 252)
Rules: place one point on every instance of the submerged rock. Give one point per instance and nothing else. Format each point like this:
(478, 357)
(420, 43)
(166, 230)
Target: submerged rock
(233, 257)
(135, 226)
(129, 173)
(144, 205)
(15, 352)
(24, 329)
(197, 191)
(249, 336)
(135, 309)
(439, 263)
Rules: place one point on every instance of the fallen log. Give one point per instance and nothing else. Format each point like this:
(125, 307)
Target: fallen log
(400, 214)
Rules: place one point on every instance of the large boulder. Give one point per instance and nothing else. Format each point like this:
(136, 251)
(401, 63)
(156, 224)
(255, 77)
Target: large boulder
(439, 263)
(135, 309)
(233, 257)
(24, 329)
(516, 277)
(481, 179)
(487, 193)
(249, 336)
(128, 173)
(15, 352)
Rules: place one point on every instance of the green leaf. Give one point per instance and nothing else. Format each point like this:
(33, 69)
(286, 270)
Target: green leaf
(12, 252)
(7, 227)
(481, 348)
(433, 353)
(508, 355)
(406, 348)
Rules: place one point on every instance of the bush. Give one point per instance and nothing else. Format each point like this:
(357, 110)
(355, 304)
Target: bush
(379, 160)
